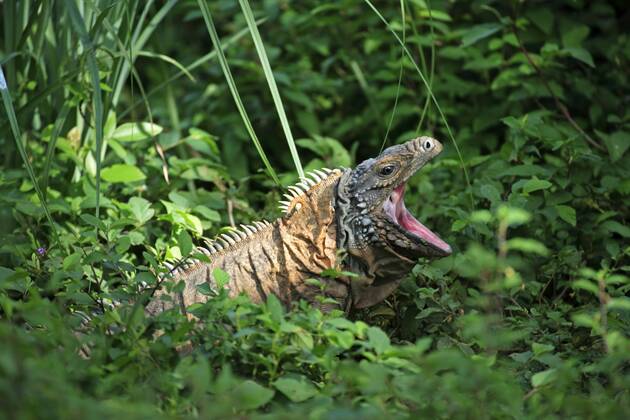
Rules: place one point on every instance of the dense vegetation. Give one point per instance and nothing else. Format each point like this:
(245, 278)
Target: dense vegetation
(102, 181)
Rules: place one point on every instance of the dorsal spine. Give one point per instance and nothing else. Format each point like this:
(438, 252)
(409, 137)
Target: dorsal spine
(225, 242)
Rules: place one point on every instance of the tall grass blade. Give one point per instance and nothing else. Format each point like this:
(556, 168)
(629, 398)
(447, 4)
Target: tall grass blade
(433, 98)
(400, 74)
(205, 11)
(97, 100)
(264, 60)
(59, 122)
(137, 42)
(427, 101)
(17, 135)
(198, 62)
(367, 92)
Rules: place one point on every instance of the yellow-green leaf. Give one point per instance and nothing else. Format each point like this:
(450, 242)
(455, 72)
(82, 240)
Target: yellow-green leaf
(129, 132)
(122, 173)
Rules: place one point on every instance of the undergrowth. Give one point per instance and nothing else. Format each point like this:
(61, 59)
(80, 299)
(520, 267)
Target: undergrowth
(528, 319)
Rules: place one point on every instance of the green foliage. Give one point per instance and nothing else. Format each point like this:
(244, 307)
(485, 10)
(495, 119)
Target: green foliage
(528, 319)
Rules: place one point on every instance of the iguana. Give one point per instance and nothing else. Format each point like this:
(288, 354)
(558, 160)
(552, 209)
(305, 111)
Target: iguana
(353, 220)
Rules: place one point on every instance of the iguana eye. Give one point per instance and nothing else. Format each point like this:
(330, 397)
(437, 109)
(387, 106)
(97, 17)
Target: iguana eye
(387, 170)
(427, 145)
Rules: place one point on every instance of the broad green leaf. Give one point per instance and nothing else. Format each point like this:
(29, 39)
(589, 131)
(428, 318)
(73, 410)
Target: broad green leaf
(542, 17)
(586, 285)
(479, 32)
(122, 173)
(543, 378)
(536, 184)
(528, 245)
(481, 216)
(297, 388)
(458, 225)
(617, 144)
(513, 215)
(141, 209)
(251, 395)
(185, 242)
(491, 193)
(71, 261)
(539, 348)
(616, 227)
(130, 132)
(435, 14)
(581, 54)
(220, 277)
(378, 339)
(275, 308)
(622, 303)
(574, 36)
(567, 214)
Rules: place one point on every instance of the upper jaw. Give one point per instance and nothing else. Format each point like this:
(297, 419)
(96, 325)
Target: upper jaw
(395, 210)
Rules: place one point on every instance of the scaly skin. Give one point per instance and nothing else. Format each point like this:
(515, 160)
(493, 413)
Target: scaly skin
(350, 220)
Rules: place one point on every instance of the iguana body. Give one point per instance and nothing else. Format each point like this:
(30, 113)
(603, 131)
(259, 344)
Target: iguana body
(352, 220)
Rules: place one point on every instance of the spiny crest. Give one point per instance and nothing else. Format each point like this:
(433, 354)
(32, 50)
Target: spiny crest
(221, 243)
(301, 188)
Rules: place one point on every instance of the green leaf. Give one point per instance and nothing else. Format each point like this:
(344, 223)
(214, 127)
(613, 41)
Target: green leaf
(378, 339)
(297, 389)
(586, 285)
(543, 378)
(539, 348)
(479, 32)
(184, 242)
(251, 395)
(528, 245)
(543, 18)
(513, 216)
(481, 216)
(220, 277)
(122, 173)
(130, 132)
(617, 144)
(536, 184)
(616, 227)
(567, 214)
(622, 303)
(491, 193)
(71, 261)
(458, 225)
(141, 209)
(575, 35)
(275, 308)
(581, 54)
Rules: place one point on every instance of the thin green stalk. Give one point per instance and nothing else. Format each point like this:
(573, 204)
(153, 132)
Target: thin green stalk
(427, 101)
(137, 43)
(400, 75)
(205, 11)
(17, 135)
(363, 84)
(433, 98)
(59, 122)
(200, 61)
(264, 60)
(97, 100)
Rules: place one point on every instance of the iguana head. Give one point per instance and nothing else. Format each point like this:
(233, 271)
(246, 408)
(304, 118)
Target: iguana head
(382, 237)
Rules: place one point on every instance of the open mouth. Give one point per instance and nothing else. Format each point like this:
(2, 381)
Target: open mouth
(395, 208)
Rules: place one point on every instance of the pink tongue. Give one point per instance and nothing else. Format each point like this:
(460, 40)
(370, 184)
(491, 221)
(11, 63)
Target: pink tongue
(407, 221)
